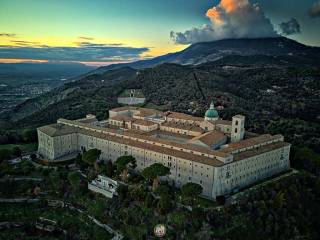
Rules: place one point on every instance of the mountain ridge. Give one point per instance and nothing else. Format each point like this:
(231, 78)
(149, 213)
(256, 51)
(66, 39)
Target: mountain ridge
(203, 52)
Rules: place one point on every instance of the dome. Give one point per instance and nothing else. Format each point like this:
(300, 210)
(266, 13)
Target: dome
(211, 113)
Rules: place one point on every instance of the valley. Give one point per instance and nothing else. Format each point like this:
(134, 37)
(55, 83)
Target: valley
(22, 81)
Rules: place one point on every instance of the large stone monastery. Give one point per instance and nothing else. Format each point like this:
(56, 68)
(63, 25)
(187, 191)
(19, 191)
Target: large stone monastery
(217, 154)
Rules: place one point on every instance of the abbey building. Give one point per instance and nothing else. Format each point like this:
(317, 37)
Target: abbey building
(217, 154)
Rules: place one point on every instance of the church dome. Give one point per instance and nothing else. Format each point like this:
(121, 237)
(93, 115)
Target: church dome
(211, 113)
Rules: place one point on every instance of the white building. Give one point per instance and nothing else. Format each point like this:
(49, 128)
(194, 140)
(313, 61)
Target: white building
(214, 153)
(104, 185)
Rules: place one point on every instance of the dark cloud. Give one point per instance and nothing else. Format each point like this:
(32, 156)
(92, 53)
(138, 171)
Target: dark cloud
(86, 38)
(24, 43)
(291, 27)
(8, 35)
(85, 52)
(229, 19)
(314, 11)
(90, 44)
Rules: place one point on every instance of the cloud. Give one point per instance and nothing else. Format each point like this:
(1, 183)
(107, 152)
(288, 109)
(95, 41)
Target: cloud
(229, 19)
(90, 44)
(291, 27)
(25, 43)
(314, 11)
(84, 52)
(86, 38)
(8, 35)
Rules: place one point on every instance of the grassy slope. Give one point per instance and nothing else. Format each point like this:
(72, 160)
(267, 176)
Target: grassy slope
(30, 147)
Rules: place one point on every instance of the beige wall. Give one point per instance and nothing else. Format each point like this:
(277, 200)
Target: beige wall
(179, 131)
(45, 145)
(144, 127)
(239, 174)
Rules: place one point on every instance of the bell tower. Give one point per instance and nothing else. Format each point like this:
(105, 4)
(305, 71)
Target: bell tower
(237, 132)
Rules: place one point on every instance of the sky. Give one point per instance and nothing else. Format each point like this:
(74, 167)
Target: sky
(100, 32)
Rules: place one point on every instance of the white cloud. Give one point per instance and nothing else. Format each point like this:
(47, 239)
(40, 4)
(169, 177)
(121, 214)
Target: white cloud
(229, 19)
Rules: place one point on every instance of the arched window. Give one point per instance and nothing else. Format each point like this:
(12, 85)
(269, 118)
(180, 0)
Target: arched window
(236, 130)
(237, 123)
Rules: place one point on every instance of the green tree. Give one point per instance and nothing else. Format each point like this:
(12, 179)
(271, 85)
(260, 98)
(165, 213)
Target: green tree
(178, 219)
(74, 179)
(91, 156)
(16, 151)
(26, 167)
(109, 169)
(163, 190)
(4, 154)
(165, 205)
(122, 165)
(153, 172)
(33, 156)
(122, 192)
(149, 200)
(29, 135)
(278, 200)
(79, 162)
(105, 168)
(55, 180)
(317, 186)
(4, 167)
(191, 191)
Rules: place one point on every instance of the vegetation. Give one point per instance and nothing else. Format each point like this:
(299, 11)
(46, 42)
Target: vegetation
(91, 156)
(74, 179)
(191, 191)
(305, 158)
(122, 165)
(153, 172)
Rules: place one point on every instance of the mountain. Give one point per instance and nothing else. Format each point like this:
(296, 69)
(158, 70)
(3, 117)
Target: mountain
(279, 49)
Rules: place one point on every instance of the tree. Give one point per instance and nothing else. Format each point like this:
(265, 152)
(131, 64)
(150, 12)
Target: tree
(26, 167)
(165, 205)
(81, 164)
(4, 168)
(153, 172)
(149, 200)
(122, 165)
(109, 169)
(191, 190)
(55, 179)
(16, 151)
(317, 186)
(91, 156)
(163, 190)
(104, 168)
(178, 219)
(278, 200)
(122, 191)
(74, 179)
(4, 154)
(33, 156)
(29, 135)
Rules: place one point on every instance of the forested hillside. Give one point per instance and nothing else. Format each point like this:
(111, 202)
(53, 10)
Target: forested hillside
(276, 98)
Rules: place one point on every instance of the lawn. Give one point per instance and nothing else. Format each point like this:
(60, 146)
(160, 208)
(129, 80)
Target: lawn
(29, 147)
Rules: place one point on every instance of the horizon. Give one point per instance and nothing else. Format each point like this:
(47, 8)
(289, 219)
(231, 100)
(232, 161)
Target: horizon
(122, 32)
(101, 64)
